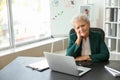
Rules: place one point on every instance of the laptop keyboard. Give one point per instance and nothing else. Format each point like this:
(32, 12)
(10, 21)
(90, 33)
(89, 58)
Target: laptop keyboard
(79, 71)
(83, 63)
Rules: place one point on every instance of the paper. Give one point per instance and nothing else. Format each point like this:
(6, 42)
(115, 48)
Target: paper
(113, 72)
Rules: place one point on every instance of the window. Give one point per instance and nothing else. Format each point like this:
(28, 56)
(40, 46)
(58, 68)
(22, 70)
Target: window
(29, 21)
(4, 30)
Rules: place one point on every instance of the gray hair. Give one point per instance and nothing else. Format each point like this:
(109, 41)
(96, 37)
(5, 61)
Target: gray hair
(80, 17)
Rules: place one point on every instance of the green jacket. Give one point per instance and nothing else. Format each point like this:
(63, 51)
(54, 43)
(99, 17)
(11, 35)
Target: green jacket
(99, 50)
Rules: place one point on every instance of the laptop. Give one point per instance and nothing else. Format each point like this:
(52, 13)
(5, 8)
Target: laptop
(64, 64)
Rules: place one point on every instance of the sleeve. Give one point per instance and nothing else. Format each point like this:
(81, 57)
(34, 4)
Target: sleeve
(103, 54)
(73, 49)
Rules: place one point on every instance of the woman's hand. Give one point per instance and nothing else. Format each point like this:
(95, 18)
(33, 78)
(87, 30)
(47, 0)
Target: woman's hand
(79, 37)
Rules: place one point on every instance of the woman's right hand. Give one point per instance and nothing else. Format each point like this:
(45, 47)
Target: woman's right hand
(79, 37)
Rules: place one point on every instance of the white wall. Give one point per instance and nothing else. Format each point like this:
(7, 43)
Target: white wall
(99, 9)
(61, 15)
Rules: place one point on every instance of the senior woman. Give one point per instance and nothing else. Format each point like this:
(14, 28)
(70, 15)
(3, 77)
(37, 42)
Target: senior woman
(85, 44)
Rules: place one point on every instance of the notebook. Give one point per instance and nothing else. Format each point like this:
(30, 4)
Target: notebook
(39, 66)
(64, 64)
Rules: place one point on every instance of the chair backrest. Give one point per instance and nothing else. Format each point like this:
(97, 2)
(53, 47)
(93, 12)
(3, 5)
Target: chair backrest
(99, 30)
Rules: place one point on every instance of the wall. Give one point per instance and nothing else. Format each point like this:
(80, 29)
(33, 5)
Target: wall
(100, 12)
(61, 14)
(33, 52)
(63, 11)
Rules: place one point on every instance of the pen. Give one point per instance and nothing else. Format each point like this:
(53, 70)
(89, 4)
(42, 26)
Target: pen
(43, 69)
(37, 69)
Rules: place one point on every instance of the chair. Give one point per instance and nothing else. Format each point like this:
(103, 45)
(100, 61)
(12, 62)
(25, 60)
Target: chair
(99, 30)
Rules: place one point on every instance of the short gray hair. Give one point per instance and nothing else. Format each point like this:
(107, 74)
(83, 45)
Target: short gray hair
(80, 17)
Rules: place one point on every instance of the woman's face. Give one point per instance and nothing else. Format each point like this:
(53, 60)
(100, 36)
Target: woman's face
(82, 28)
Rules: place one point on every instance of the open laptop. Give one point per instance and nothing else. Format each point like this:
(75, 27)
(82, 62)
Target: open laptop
(64, 64)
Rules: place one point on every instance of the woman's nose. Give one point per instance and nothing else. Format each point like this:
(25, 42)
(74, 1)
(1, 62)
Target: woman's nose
(80, 29)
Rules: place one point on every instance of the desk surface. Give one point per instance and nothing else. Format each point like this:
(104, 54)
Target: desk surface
(16, 70)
